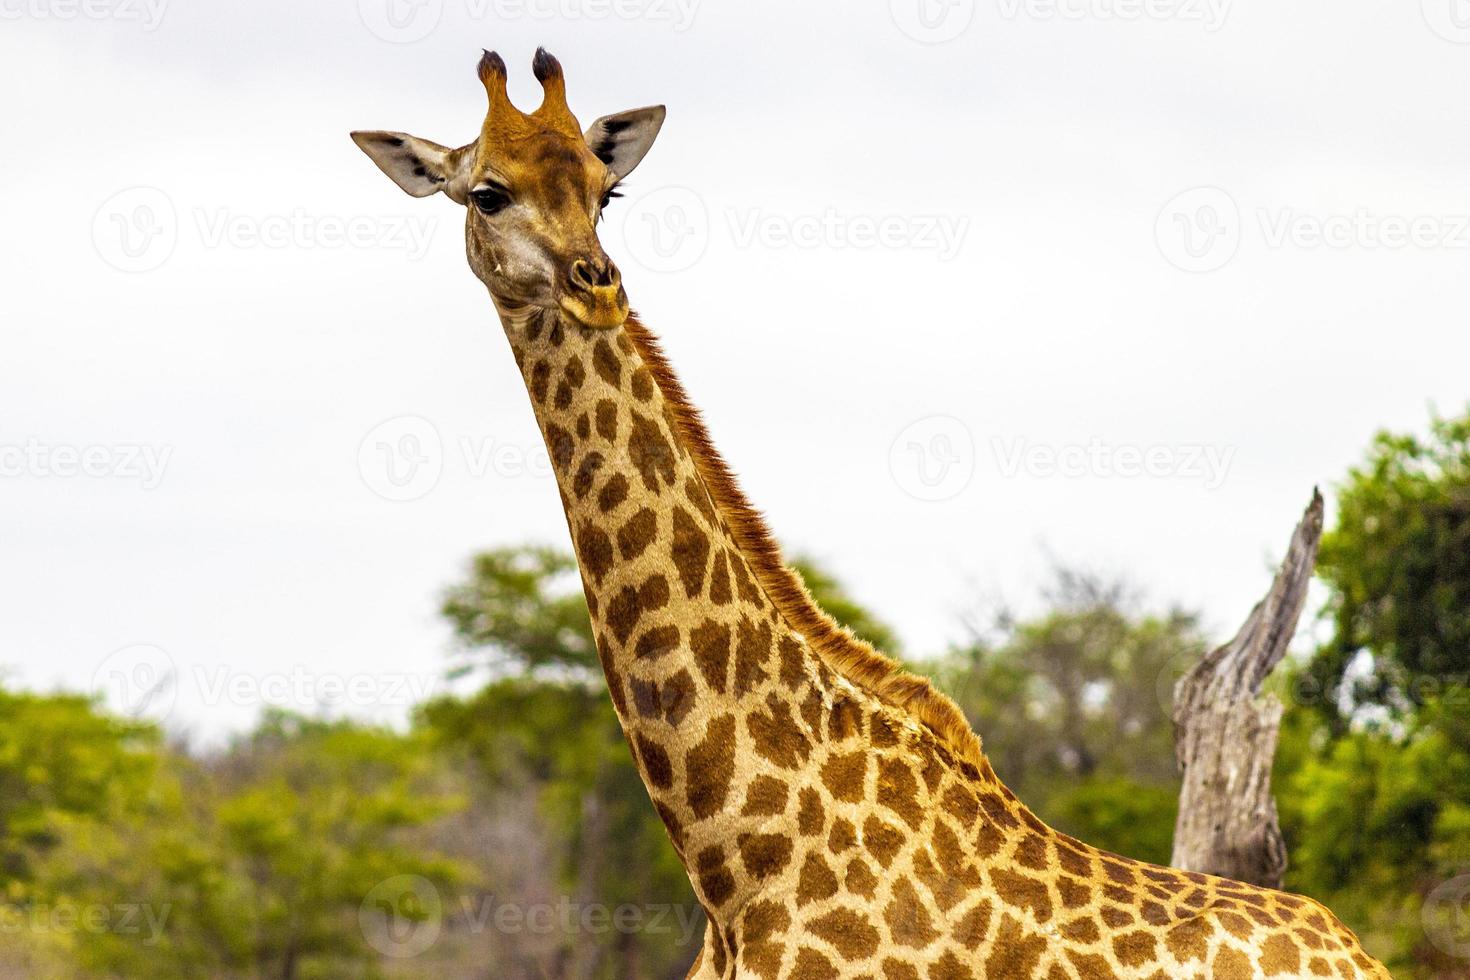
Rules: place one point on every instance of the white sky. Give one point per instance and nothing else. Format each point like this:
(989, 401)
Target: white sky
(1049, 140)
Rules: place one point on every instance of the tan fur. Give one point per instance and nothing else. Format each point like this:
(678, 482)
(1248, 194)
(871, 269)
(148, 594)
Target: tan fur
(845, 653)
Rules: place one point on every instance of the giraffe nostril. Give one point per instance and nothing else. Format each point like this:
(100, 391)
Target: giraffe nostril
(582, 274)
(593, 275)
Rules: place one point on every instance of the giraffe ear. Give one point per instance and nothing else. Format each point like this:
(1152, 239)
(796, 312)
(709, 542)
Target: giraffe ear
(622, 140)
(420, 167)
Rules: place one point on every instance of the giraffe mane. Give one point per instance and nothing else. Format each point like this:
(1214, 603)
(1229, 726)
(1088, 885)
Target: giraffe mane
(848, 655)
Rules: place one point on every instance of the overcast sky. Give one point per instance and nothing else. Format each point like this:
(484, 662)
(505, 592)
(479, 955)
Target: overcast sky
(1114, 281)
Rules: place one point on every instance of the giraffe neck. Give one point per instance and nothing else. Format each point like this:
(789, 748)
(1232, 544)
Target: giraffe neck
(707, 677)
(837, 647)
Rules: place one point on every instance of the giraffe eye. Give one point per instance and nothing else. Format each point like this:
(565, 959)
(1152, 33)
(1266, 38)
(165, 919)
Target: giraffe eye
(490, 199)
(607, 198)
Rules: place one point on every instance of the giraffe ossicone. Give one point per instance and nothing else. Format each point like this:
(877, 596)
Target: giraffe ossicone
(836, 815)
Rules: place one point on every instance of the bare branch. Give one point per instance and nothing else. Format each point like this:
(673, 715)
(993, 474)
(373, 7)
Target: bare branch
(1225, 733)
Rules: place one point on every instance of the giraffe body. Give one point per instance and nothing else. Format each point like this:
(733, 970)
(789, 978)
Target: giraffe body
(829, 833)
(836, 816)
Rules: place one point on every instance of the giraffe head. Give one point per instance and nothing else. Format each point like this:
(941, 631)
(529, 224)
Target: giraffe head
(533, 186)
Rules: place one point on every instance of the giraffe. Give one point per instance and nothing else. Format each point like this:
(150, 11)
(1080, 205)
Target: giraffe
(836, 815)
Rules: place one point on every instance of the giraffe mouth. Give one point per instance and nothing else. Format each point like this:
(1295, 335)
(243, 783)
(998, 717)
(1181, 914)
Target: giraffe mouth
(598, 309)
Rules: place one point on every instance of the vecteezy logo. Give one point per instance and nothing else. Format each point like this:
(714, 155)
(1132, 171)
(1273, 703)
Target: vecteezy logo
(402, 459)
(400, 21)
(1199, 230)
(933, 459)
(667, 230)
(1169, 677)
(401, 916)
(135, 230)
(932, 21)
(1446, 917)
(1450, 19)
(140, 681)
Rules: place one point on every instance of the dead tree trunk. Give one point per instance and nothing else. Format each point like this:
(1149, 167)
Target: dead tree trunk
(1225, 733)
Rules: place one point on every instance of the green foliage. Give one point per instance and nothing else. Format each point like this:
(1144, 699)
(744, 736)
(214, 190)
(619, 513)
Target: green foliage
(1072, 709)
(522, 609)
(1374, 820)
(128, 859)
(316, 815)
(1373, 772)
(61, 760)
(1398, 562)
(563, 742)
(552, 735)
(559, 743)
(81, 794)
(1118, 814)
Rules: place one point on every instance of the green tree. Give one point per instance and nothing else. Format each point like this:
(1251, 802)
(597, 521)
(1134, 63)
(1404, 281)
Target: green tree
(1398, 564)
(559, 742)
(316, 815)
(82, 795)
(1375, 820)
(1374, 764)
(62, 760)
(127, 858)
(1072, 708)
(521, 609)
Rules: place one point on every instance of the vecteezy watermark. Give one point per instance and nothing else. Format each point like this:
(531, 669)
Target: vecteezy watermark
(1450, 691)
(302, 689)
(569, 917)
(1199, 230)
(932, 21)
(1363, 229)
(1450, 19)
(140, 681)
(401, 916)
(223, 228)
(401, 459)
(400, 21)
(933, 459)
(143, 681)
(142, 920)
(677, 14)
(1207, 464)
(144, 463)
(1209, 13)
(148, 13)
(1170, 675)
(941, 234)
(407, 21)
(404, 458)
(1446, 917)
(669, 230)
(138, 229)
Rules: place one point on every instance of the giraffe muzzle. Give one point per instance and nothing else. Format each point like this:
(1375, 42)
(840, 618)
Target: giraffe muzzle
(594, 295)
